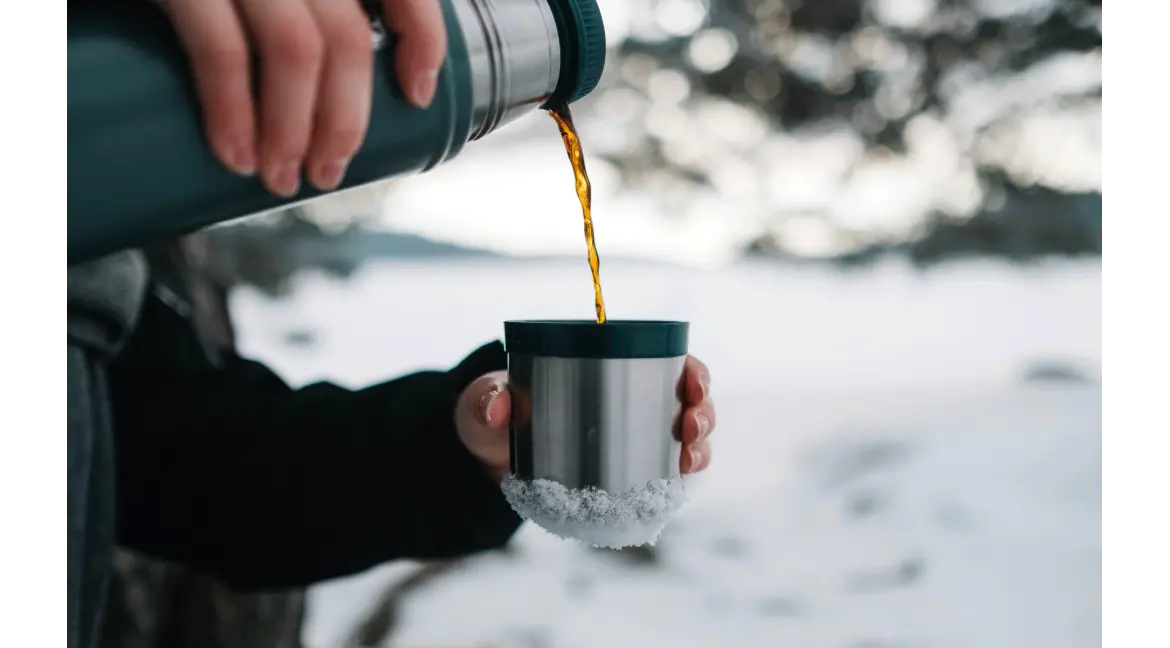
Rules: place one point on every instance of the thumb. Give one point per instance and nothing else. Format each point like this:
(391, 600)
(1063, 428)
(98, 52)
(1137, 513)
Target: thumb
(481, 418)
(486, 402)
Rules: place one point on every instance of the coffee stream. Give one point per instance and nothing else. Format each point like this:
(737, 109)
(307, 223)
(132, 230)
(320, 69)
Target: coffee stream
(564, 120)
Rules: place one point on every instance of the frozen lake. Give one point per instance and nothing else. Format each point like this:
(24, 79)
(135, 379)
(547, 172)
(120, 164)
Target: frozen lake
(883, 476)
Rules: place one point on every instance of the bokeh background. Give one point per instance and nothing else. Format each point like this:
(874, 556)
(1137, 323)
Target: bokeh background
(883, 219)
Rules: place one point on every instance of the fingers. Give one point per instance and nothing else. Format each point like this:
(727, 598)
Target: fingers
(313, 105)
(695, 457)
(291, 52)
(698, 417)
(422, 46)
(344, 95)
(696, 380)
(696, 423)
(218, 48)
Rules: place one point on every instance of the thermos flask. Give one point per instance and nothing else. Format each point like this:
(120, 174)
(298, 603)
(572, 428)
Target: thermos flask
(140, 169)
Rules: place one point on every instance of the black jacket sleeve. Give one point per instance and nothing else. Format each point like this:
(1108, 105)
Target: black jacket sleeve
(228, 469)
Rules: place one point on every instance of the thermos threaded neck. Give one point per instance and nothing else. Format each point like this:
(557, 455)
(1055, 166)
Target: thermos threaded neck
(528, 54)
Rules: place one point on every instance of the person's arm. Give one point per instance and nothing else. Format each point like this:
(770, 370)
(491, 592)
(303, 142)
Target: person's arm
(231, 471)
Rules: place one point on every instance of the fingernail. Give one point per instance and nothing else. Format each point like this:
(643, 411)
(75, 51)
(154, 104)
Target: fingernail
(485, 406)
(703, 423)
(242, 159)
(331, 173)
(424, 87)
(286, 179)
(704, 385)
(696, 460)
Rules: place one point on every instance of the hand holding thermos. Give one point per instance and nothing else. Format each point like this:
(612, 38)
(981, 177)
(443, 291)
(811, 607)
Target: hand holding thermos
(312, 104)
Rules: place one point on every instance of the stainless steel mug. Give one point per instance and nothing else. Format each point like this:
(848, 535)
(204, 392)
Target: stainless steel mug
(594, 405)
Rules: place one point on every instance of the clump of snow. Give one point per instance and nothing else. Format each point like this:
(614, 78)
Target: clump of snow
(597, 517)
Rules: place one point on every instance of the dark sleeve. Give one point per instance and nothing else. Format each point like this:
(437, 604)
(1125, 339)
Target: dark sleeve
(229, 470)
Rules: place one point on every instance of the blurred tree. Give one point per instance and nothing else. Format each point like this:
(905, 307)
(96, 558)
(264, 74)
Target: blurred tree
(989, 108)
(872, 65)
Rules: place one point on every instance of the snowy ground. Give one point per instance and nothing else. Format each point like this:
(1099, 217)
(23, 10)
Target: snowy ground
(883, 476)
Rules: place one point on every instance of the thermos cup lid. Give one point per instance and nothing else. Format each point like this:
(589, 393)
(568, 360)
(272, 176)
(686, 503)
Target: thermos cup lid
(588, 339)
(582, 36)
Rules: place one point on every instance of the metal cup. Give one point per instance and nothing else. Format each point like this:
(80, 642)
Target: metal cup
(595, 405)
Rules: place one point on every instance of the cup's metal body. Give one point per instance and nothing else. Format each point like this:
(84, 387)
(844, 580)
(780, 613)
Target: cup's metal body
(595, 422)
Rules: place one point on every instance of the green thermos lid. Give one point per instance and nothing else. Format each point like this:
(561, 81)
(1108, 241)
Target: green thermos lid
(582, 36)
